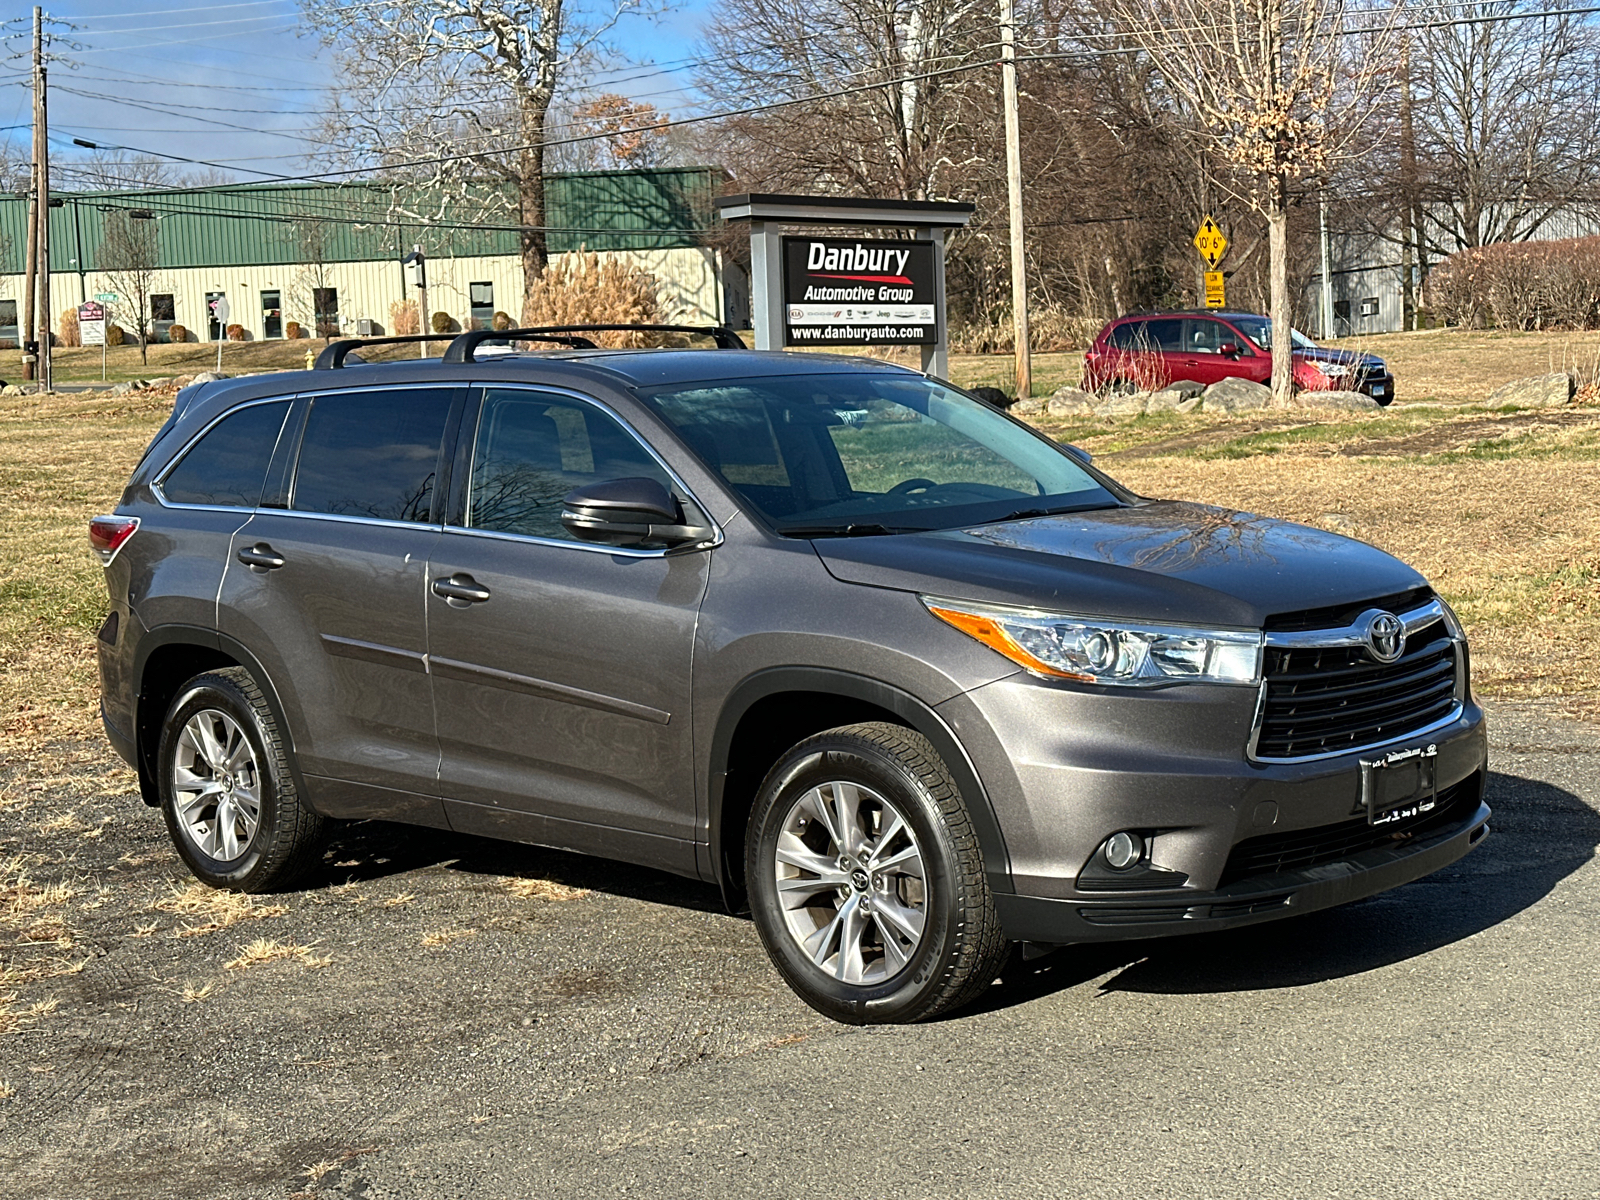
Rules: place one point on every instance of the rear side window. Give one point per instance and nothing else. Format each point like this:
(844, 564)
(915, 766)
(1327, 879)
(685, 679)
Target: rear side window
(227, 466)
(372, 454)
(1166, 334)
(1129, 336)
(532, 449)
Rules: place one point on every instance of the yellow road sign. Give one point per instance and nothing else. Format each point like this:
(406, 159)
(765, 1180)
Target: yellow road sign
(1216, 292)
(1210, 241)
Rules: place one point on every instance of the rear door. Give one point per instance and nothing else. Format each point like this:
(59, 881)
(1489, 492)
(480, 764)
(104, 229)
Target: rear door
(560, 668)
(1167, 359)
(327, 590)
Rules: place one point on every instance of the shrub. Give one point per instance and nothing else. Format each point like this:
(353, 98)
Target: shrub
(1520, 285)
(69, 329)
(443, 322)
(292, 330)
(500, 321)
(177, 333)
(583, 289)
(403, 317)
(1051, 327)
(114, 334)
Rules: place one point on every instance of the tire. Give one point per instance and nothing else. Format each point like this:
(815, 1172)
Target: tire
(923, 875)
(227, 791)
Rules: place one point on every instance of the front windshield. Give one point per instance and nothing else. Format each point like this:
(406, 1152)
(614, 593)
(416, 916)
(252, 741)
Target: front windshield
(1259, 331)
(872, 453)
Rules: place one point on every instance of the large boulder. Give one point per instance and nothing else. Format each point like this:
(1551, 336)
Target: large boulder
(1133, 405)
(1027, 408)
(1536, 391)
(11, 389)
(1234, 394)
(1348, 401)
(209, 376)
(1171, 397)
(1070, 402)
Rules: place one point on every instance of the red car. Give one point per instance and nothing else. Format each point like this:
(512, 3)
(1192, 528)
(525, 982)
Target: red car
(1151, 350)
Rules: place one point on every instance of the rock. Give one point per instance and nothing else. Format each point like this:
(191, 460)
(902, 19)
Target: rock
(1350, 401)
(183, 381)
(1185, 388)
(1234, 395)
(1027, 408)
(1070, 401)
(1189, 405)
(10, 389)
(122, 389)
(209, 377)
(1123, 406)
(1536, 391)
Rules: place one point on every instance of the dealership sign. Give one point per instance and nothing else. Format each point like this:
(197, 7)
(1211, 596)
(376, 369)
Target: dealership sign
(850, 292)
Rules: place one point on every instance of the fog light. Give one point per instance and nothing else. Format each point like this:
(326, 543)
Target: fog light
(1123, 850)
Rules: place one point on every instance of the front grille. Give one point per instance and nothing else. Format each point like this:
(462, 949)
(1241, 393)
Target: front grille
(1300, 849)
(1330, 699)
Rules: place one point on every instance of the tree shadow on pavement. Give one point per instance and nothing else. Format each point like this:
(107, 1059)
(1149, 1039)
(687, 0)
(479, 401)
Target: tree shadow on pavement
(1539, 835)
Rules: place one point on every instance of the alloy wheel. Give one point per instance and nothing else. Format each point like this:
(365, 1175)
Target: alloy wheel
(216, 786)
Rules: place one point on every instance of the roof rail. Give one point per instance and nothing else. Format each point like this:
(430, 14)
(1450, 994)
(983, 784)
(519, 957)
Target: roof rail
(333, 354)
(461, 349)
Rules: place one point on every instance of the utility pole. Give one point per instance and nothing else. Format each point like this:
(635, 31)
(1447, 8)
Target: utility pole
(423, 325)
(41, 156)
(29, 355)
(1019, 262)
(1327, 276)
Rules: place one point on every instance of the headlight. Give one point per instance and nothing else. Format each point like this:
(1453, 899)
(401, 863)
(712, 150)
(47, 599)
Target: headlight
(1334, 370)
(1091, 651)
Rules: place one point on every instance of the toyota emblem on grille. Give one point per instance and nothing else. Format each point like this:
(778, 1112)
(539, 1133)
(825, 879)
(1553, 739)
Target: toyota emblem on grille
(1386, 636)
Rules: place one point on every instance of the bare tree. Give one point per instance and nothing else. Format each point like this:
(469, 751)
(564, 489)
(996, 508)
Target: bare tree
(896, 140)
(464, 84)
(1270, 92)
(313, 285)
(129, 254)
(1507, 105)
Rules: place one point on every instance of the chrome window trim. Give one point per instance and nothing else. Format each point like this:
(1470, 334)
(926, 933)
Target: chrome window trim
(155, 484)
(1355, 634)
(714, 541)
(325, 516)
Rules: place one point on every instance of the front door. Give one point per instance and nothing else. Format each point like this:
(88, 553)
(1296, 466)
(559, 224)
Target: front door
(271, 314)
(561, 669)
(328, 593)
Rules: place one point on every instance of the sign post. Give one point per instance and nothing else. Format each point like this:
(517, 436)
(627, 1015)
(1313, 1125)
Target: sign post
(219, 310)
(1212, 244)
(92, 329)
(810, 291)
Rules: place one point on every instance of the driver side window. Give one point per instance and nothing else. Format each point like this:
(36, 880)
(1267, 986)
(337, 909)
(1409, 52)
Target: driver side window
(533, 448)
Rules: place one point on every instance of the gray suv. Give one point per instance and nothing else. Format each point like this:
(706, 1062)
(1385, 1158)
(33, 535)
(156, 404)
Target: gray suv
(907, 679)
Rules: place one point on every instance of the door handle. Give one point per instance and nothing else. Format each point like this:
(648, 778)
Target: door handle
(261, 558)
(460, 590)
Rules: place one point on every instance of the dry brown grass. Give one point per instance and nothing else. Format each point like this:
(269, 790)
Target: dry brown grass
(543, 889)
(266, 950)
(443, 937)
(220, 909)
(1462, 366)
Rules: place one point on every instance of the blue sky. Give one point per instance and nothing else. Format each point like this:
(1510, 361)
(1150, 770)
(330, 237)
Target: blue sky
(238, 83)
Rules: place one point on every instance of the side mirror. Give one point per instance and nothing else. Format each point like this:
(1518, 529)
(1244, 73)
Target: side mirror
(634, 512)
(1229, 349)
(1078, 452)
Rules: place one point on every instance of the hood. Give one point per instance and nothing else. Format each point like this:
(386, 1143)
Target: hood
(1349, 357)
(1161, 561)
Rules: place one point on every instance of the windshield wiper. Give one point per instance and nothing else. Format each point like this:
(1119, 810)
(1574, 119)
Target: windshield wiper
(1023, 514)
(865, 530)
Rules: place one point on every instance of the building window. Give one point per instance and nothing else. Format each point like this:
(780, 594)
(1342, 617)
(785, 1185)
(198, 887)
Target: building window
(1369, 307)
(8, 322)
(271, 314)
(326, 303)
(213, 326)
(481, 298)
(163, 310)
(1341, 309)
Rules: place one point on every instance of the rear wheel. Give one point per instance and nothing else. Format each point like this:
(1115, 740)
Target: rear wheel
(866, 880)
(227, 792)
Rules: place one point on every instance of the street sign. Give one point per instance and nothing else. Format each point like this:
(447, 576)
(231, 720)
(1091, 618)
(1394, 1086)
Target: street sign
(107, 297)
(91, 323)
(219, 310)
(1216, 292)
(1211, 242)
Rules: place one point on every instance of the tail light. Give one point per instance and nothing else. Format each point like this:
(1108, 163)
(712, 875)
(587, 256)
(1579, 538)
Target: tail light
(107, 535)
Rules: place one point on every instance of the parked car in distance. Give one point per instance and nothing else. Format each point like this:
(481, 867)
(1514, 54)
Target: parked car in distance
(904, 677)
(1150, 350)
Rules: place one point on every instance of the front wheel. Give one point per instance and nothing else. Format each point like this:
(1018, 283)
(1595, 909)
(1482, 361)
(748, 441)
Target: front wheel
(227, 792)
(866, 880)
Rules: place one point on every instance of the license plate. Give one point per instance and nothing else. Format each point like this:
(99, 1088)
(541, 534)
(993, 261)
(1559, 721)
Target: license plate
(1378, 391)
(1399, 786)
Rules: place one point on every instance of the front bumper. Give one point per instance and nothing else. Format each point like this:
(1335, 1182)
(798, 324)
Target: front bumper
(1066, 767)
(1248, 902)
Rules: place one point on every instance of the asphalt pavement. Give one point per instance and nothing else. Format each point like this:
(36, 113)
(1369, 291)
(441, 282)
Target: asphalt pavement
(465, 1040)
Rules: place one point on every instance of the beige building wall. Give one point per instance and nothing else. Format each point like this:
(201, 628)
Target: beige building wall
(691, 289)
